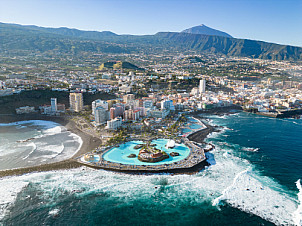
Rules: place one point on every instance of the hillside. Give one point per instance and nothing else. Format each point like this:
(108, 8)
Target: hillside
(17, 39)
(118, 65)
(232, 46)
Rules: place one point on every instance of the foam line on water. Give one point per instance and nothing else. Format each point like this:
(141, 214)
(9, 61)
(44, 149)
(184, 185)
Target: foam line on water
(34, 147)
(250, 149)
(297, 215)
(250, 195)
(9, 190)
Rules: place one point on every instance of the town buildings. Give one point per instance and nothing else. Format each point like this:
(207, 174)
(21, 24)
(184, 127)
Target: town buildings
(114, 124)
(25, 110)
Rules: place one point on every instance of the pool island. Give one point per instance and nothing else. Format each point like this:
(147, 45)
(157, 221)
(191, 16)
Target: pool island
(151, 154)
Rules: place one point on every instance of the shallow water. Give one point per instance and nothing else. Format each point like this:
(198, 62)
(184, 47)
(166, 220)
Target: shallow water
(30, 143)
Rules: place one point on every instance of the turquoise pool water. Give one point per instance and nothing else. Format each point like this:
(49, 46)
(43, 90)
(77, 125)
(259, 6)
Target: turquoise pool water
(192, 119)
(195, 126)
(119, 154)
(184, 131)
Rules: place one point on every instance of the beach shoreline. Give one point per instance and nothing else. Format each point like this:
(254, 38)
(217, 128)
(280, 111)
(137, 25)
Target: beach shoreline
(88, 144)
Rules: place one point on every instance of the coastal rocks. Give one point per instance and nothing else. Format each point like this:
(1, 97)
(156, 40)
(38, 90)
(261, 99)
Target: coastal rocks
(23, 141)
(157, 159)
(210, 148)
(131, 156)
(173, 154)
(138, 146)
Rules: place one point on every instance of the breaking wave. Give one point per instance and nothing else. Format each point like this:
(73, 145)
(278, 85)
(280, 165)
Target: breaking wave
(34, 142)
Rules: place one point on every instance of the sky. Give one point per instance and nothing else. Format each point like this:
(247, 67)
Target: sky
(277, 21)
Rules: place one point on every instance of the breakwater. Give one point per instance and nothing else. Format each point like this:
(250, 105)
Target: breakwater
(278, 114)
(67, 164)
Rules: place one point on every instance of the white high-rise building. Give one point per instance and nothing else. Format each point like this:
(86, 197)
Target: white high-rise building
(167, 104)
(128, 97)
(101, 115)
(99, 103)
(202, 86)
(76, 102)
(54, 107)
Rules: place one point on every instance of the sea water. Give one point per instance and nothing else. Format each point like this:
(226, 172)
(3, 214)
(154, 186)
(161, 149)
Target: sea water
(254, 179)
(35, 142)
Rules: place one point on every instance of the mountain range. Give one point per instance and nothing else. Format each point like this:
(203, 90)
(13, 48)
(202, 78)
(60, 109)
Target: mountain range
(20, 39)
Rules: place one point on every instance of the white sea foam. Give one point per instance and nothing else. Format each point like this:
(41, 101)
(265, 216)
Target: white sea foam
(44, 151)
(9, 190)
(250, 149)
(250, 195)
(5, 150)
(221, 181)
(54, 212)
(34, 147)
(219, 116)
(53, 130)
(298, 213)
(213, 135)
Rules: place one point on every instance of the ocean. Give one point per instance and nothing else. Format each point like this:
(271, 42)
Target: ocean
(254, 179)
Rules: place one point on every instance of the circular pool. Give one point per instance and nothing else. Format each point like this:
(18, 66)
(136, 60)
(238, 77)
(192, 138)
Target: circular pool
(120, 154)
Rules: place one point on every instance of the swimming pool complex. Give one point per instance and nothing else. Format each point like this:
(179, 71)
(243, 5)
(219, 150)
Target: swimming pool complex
(120, 154)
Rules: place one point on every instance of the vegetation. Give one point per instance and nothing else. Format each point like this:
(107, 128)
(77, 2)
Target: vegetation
(37, 98)
(173, 129)
(118, 138)
(118, 65)
(26, 40)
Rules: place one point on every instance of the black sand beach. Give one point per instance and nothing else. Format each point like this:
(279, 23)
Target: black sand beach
(89, 143)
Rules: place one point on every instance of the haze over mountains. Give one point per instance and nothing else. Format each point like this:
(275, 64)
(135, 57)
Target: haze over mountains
(19, 39)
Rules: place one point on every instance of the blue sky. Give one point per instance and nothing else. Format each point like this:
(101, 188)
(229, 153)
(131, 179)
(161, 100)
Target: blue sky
(278, 21)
